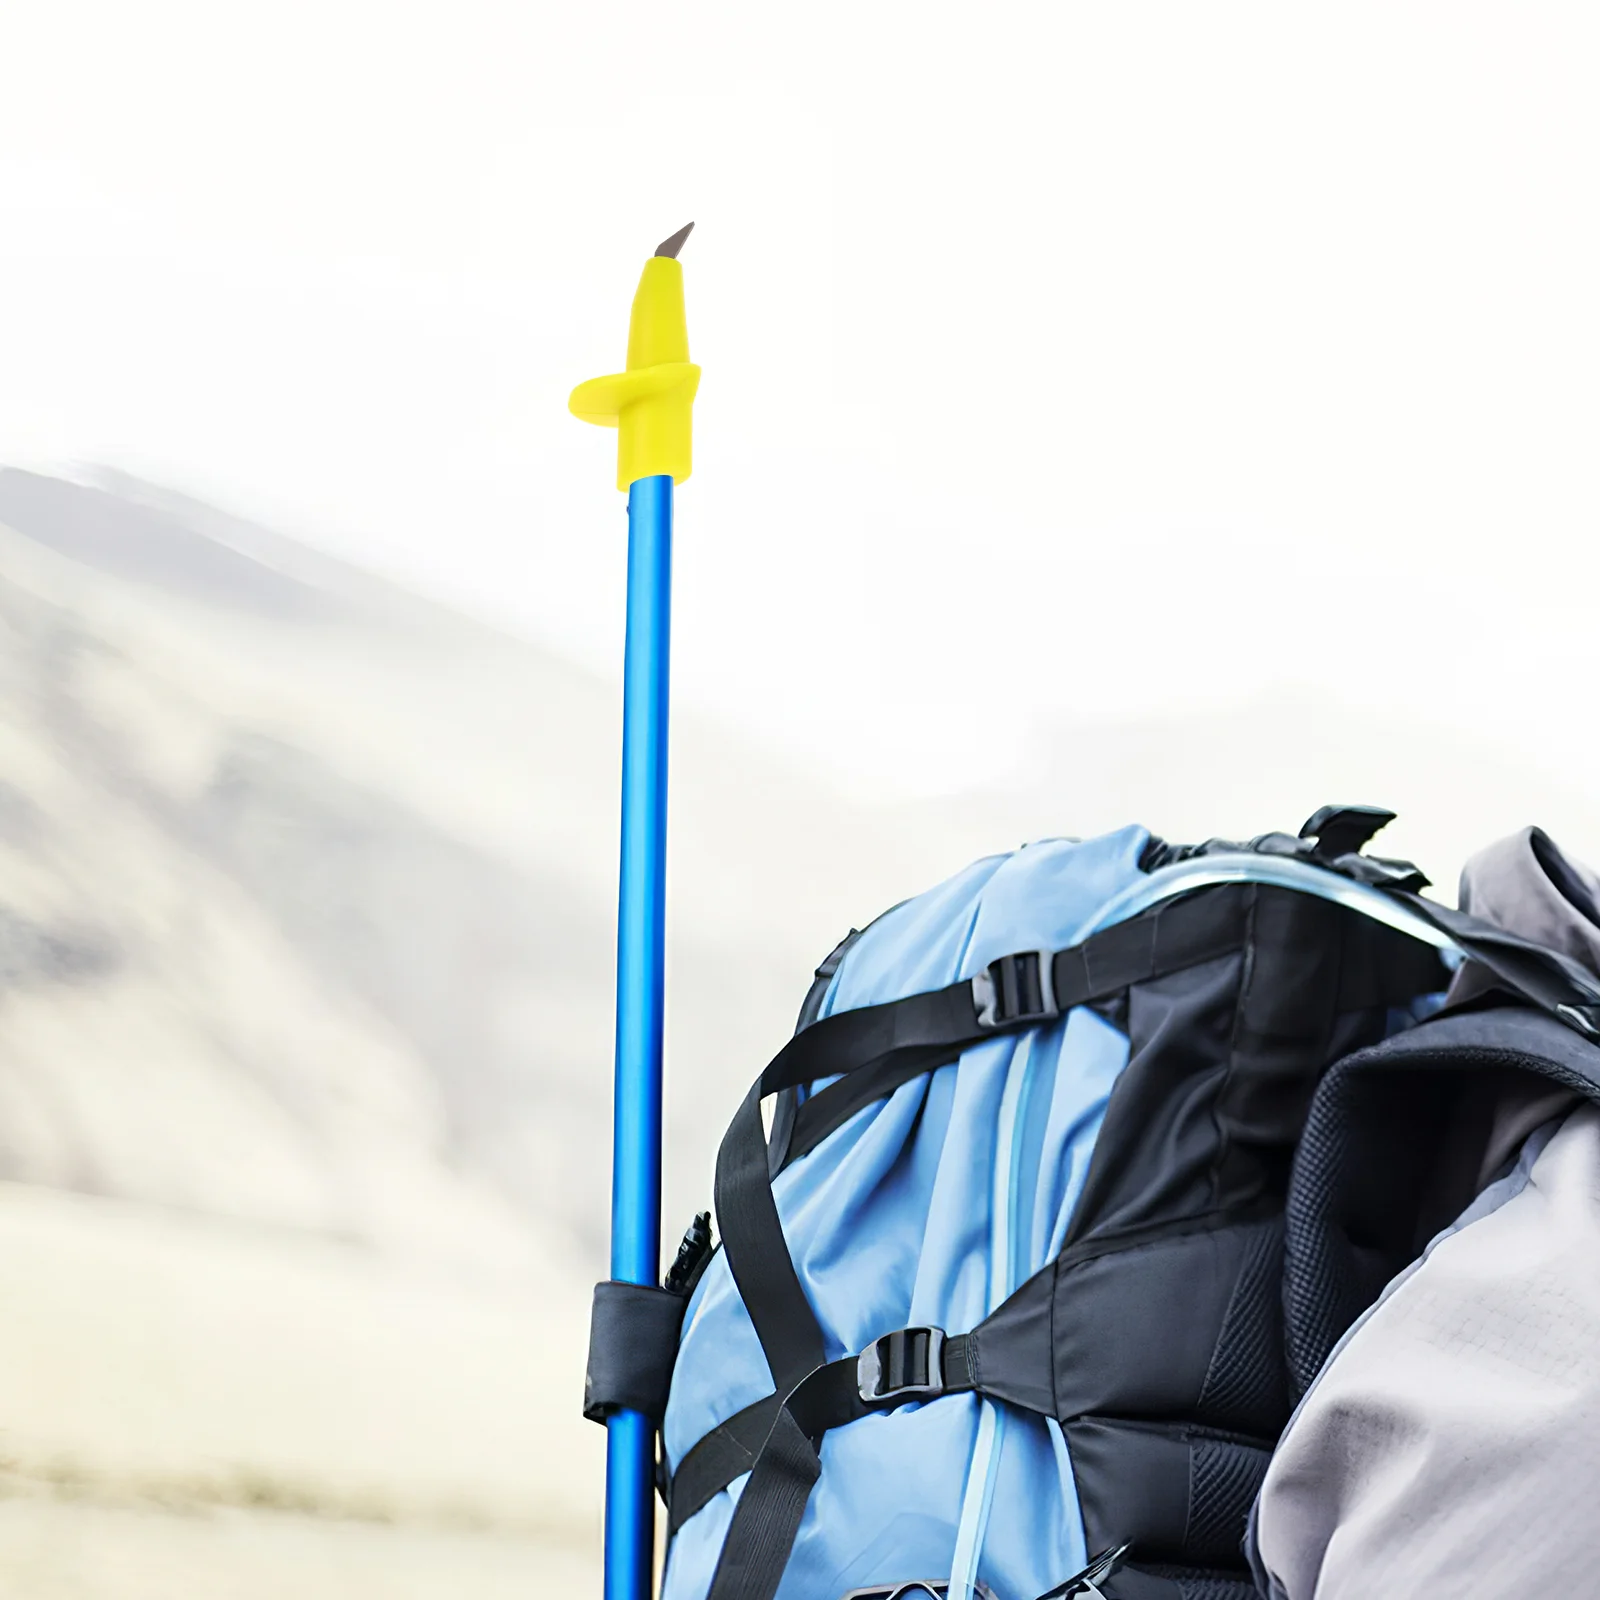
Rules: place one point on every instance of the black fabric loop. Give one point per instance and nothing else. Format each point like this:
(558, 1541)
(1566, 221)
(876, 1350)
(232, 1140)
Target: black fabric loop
(633, 1343)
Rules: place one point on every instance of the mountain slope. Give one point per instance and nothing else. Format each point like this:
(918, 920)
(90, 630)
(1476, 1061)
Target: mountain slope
(360, 840)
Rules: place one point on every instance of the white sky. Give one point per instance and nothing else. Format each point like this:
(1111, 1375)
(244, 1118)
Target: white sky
(1061, 360)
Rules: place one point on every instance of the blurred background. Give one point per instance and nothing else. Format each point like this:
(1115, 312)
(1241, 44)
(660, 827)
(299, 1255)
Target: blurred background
(1154, 413)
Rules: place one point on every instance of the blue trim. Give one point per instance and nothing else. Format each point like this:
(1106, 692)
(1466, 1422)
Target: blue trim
(1284, 872)
(641, 942)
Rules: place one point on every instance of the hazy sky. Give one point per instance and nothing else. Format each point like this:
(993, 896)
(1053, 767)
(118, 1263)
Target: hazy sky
(1061, 361)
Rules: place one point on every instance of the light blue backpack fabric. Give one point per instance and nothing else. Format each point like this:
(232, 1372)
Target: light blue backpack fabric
(929, 1208)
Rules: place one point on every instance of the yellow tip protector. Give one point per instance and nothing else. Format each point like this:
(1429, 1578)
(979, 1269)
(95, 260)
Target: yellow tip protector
(651, 404)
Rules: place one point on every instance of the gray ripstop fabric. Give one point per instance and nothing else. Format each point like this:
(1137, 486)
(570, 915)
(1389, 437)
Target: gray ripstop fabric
(1526, 885)
(1451, 1443)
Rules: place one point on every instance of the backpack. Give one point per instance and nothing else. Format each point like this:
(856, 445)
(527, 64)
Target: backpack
(1000, 1300)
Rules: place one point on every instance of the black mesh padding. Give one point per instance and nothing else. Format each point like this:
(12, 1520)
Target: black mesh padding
(1369, 1158)
(1223, 1481)
(1322, 1293)
(1364, 1159)
(1247, 1380)
(1191, 1584)
(1217, 1589)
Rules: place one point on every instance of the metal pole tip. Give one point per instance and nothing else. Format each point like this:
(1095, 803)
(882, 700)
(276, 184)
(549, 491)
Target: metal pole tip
(671, 247)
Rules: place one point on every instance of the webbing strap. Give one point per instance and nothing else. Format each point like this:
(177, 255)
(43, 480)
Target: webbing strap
(758, 1258)
(768, 1515)
(829, 1398)
(1011, 993)
(829, 1109)
(787, 1464)
(717, 1459)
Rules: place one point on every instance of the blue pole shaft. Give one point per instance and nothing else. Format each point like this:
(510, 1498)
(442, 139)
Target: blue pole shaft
(641, 948)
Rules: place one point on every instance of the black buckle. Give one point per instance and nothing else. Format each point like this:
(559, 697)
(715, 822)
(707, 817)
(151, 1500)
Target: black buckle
(1344, 830)
(907, 1364)
(1016, 989)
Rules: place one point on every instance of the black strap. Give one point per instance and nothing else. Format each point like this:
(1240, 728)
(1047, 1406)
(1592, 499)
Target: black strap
(1078, 977)
(828, 1110)
(1019, 990)
(758, 1258)
(752, 1236)
(787, 1460)
(768, 1515)
(1544, 978)
(783, 1113)
(717, 1458)
(831, 1398)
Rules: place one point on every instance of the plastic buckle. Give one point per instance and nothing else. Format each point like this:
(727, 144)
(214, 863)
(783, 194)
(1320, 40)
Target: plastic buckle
(1016, 990)
(1085, 1585)
(1344, 830)
(1586, 1019)
(907, 1364)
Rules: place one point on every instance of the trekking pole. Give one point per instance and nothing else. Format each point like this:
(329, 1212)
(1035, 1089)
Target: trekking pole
(650, 405)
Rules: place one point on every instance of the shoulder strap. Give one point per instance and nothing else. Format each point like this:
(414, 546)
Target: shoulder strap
(1355, 1216)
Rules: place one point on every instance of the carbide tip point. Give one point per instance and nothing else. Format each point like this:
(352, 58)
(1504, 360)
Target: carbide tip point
(671, 247)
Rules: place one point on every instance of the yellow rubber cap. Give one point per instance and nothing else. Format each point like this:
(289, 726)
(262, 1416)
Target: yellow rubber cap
(651, 405)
